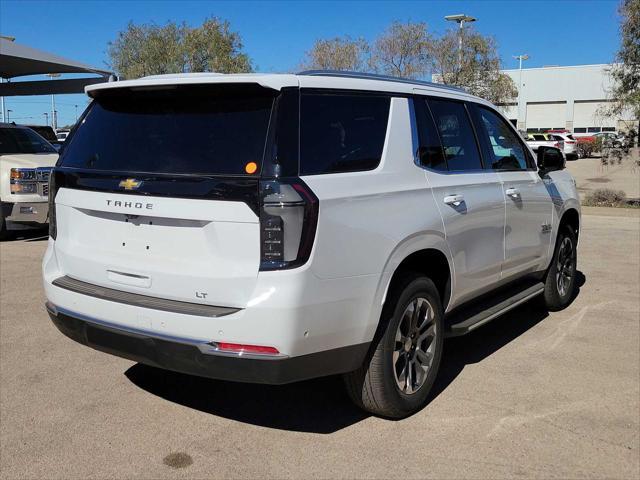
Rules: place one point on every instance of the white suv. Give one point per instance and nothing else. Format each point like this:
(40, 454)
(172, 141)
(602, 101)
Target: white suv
(275, 228)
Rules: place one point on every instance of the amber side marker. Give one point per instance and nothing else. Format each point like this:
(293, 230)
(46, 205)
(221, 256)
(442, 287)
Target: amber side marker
(251, 167)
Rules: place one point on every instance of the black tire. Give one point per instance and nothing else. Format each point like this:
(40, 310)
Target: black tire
(563, 266)
(374, 387)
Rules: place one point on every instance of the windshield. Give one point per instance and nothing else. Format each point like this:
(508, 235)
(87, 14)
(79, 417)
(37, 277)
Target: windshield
(180, 130)
(22, 140)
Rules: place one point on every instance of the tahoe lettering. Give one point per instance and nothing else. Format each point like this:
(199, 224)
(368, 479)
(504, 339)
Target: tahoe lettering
(125, 204)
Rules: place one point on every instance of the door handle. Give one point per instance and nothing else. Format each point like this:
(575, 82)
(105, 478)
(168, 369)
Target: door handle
(454, 199)
(512, 192)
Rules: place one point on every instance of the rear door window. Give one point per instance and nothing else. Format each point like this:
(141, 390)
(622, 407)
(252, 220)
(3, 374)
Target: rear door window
(457, 135)
(189, 130)
(341, 132)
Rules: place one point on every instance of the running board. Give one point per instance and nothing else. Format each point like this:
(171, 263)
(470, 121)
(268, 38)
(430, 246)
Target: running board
(468, 319)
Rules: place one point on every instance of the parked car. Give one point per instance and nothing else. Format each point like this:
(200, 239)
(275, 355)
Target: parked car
(25, 162)
(48, 133)
(611, 139)
(569, 144)
(295, 226)
(535, 140)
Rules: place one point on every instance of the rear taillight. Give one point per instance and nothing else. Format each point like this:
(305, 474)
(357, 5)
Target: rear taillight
(53, 230)
(288, 220)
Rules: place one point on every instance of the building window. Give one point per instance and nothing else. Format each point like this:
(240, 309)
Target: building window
(608, 129)
(580, 130)
(593, 129)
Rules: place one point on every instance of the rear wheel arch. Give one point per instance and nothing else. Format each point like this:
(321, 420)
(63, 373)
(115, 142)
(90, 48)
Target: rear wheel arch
(429, 262)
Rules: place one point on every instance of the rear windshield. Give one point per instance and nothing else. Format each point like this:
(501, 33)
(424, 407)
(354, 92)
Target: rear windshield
(23, 140)
(189, 130)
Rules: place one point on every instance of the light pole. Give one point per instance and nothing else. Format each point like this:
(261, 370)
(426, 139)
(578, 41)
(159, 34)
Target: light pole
(520, 59)
(4, 113)
(46, 118)
(8, 112)
(54, 120)
(460, 18)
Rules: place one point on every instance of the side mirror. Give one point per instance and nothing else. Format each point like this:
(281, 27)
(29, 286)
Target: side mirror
(550, 159)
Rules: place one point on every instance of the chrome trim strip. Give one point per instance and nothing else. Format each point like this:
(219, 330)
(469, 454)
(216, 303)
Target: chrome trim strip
(139, 300)
(125, 274)
(205, 347)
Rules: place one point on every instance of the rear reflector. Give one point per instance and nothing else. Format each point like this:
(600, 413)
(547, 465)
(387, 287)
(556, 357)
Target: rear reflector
(240, 348)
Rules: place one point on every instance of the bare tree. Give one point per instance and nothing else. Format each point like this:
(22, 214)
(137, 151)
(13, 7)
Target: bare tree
(408, 50)
(151, 49)
(402, 50)
(478, 72)
(339, 53)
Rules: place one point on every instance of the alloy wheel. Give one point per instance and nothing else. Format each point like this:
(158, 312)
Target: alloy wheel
(414, 346)
(564, 267)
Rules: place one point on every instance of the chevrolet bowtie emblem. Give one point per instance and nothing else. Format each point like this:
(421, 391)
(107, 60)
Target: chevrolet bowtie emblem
(129, 184)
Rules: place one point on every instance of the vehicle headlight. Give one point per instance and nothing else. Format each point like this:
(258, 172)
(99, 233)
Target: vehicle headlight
(23, 174)
(23, 181)
(24, 188)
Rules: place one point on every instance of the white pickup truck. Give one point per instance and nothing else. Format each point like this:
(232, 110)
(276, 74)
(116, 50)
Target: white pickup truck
(26, 160)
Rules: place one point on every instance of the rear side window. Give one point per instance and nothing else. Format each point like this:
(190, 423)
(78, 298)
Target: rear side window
(189, 130)
(341, 133)
(456, 134)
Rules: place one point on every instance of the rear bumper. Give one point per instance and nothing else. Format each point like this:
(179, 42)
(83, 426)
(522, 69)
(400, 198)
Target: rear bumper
(196, 357)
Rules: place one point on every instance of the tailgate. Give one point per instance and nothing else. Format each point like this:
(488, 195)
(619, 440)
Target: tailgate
(192, 250)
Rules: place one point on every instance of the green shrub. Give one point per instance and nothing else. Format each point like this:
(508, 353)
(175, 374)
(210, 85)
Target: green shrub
(605, 197)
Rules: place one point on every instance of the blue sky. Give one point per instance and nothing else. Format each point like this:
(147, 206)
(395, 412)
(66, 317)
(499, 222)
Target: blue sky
(277, 34)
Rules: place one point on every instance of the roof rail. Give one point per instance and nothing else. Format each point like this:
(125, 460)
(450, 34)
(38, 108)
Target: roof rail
(374, 76)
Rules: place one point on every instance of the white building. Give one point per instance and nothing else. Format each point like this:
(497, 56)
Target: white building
(573, 98)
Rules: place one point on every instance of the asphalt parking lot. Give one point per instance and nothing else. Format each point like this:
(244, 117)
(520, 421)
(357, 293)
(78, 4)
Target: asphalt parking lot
(533, 394)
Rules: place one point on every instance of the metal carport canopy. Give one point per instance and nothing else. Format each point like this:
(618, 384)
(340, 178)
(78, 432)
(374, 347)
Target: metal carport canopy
(19, 60)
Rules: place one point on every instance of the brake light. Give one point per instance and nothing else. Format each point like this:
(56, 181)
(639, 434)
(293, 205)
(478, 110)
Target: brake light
(288, 220)
(241, 348)
(570, 142)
